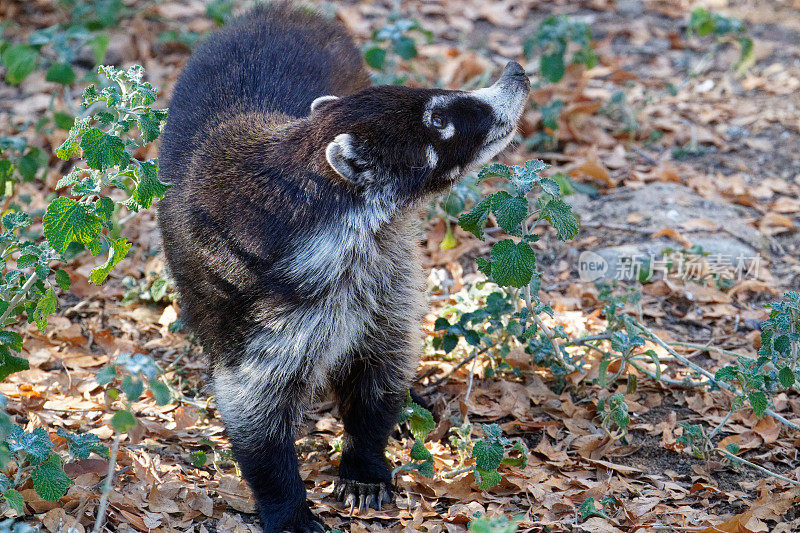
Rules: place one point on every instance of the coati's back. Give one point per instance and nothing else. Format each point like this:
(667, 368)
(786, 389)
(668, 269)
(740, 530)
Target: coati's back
(277, 58)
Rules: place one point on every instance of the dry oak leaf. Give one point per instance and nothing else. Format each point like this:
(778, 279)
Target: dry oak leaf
(750, 285)
(774, 223)
(737, 524)
(594, 168)
(674, 235)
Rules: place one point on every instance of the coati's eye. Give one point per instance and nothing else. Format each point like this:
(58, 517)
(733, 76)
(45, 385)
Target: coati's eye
(437, 121)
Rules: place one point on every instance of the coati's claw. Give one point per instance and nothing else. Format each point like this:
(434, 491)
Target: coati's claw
(359, 495)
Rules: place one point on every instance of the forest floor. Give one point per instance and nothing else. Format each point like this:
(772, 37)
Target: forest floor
(715, 162)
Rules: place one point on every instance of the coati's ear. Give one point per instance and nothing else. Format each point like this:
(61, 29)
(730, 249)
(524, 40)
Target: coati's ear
(342, 157)
(321, 100)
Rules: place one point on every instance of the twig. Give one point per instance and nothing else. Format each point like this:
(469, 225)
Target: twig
(583, 340)
(665, 379)
(112, 462)
(708, 374)
(734, 458)
(454, 473)
(705, 347)
(721, 425)
(457, 367)
(16, 299)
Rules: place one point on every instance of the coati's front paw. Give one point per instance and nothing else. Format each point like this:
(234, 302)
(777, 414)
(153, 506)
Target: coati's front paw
(364, 495)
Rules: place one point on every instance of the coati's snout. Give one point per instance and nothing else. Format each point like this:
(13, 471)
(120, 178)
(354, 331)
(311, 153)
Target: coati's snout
(407, 142)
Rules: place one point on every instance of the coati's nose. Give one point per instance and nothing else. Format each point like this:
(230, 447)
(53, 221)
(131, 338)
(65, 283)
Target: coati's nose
(514, 72)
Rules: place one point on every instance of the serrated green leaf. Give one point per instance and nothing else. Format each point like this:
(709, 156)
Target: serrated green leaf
(474, 220)
(150, 125)
(426, 469)
(36, 443)
(10, 364)
(560, 215)
(405, 47)
(102, 150)
(726, 373)
(484, 265)
(45, 307)
(420, 421)
(49, 480)
(62, 279)
(487, 479)
(19, 60)
(551, 187)
(60, 73)
(105, 375)
(104, 208)
(117, 251)
(733, 448)
(552, 67)
(494, 170)
(512, 263)
(375, 58)
(12, 339)
(67, 221)
(759, 402)
(149, 185)
(82, 445)
(123, 421)
(488, 455)
(161, 392)
(509, 211)
(786, 376)
(419, 452)
(15, 500)
(198, 458)
(132, 387)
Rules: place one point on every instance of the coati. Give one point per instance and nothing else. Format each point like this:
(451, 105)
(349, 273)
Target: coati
(290, 231)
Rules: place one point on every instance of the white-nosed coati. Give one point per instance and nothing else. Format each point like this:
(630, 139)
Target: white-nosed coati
(290, 231)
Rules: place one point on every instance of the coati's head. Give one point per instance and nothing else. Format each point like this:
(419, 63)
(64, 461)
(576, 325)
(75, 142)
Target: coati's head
(407, 142)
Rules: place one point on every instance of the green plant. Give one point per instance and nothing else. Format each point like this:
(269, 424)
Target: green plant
(495, 450)
(613, 413)
(589, 507)
(776, 367)
(397, 40)
(560, 41)
(107, 141)
(495, 524)
(546, 139)
(420, 423)
(34, 457)
(131, 374)
(703, 22)
(512, 265)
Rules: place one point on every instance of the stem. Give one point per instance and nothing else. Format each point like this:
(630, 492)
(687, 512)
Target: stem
(471, 379)
(583, 340)
(454, 473)
(112, 462)
(16, 299)
(667, 380)
(655, 338)
(721, 425)
(734, 458)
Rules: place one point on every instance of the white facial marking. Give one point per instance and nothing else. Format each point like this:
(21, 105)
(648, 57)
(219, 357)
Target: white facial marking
(321, 100)
(433, 159)
(448, 131)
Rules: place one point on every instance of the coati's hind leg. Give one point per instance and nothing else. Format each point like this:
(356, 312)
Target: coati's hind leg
(371, 391)
(261, 409)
